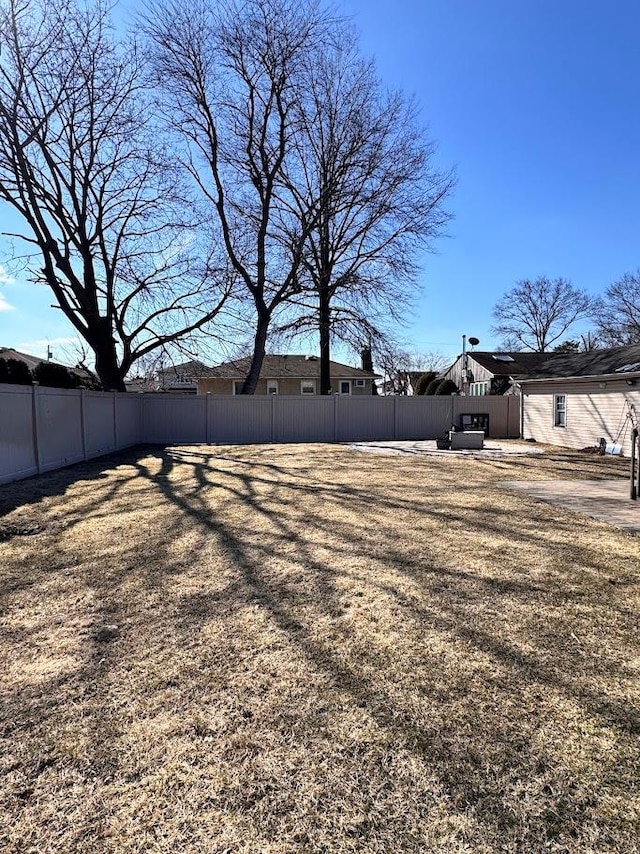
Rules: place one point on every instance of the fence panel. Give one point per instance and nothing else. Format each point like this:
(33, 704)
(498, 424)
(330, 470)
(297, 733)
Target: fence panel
(364, 419)
(175, 419)
(240, 419)
(423, 417)
(59, 426)
(501, 425)
(128, 420)
(514, 415)
(17, 448)
(302, 419)
(98, 424)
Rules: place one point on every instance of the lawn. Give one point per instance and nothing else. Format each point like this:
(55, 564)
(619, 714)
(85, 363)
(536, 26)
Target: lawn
(263, 650)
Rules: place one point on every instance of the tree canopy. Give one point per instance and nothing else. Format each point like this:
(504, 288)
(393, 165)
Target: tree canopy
(536, 313)
(235, 160)
(617, 314)
(366, 180)
(84, 165)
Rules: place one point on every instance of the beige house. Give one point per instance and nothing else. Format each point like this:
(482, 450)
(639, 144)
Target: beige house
(576, 400)
(286, 374)
(182, 378)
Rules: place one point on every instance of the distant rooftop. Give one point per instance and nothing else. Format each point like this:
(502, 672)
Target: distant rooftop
(285, 365)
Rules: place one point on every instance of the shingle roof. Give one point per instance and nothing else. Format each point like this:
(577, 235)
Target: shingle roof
(525, 365)
(595, 363)
(33, 361)
(194, 368)
(285, 365)
(511, 364)
(30, 361)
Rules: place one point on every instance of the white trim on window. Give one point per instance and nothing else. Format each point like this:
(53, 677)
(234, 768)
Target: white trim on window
(345, 384)
(272, 386)
(307, 387)
(236, 386)
(559, 410)
(360, 383)
(478, 389)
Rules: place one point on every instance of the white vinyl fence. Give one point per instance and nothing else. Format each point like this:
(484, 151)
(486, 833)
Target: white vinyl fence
(44, 428)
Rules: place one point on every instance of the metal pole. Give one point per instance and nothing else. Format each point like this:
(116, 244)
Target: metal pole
(633, 492)
(637, 463)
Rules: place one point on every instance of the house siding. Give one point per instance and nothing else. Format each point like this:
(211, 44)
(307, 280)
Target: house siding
(480, 374)
(455, 372)
(286, 385)
(594, 409)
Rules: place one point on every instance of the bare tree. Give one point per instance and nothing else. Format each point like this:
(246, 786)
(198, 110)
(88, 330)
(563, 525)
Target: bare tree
(617, 315)
(231, 76)
(366, 183)
(398, 364)
(83, 165)
(535, 314)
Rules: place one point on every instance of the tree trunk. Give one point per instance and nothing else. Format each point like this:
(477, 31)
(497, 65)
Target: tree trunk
(324, 317)
(101, 340)
(259, 349)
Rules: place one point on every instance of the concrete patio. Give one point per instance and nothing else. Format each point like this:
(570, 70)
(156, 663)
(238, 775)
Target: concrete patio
(606, 500)
(492, 448)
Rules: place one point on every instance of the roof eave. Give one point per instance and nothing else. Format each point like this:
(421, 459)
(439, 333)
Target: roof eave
(627, 375)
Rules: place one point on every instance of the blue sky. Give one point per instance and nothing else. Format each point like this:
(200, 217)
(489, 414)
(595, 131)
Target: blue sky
(536, 104)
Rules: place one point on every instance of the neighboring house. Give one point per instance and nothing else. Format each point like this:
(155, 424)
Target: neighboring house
(577, 399)
(286, 374)
(32, 362)
(403, 382)
(181, 378)
(139, 384)
(480, 373)
(410, 379)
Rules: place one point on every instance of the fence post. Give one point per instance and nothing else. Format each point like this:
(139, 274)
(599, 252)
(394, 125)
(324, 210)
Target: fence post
(207, 419)
(335, 417)
(35, 417)
(273, 417)
(83, 423)
(142, 418)
(115, 420)
(395, 417)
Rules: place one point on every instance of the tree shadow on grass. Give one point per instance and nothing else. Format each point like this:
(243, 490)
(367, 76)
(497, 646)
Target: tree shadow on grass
(461, 766)
(479, 762)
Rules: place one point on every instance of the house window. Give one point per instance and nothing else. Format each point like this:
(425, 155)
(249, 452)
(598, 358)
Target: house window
(345, 387)
(308, 387)
(360, 383)
(237, 386)
(272, 386)
(478, 389)
(560, 410)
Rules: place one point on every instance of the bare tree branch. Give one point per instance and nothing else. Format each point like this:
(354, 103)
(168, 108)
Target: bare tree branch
(365, 179)
(83, 163)
(230, 75)
(535, 314)
(617, 315)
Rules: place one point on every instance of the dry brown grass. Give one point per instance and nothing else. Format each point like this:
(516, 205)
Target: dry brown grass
(316, 650)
